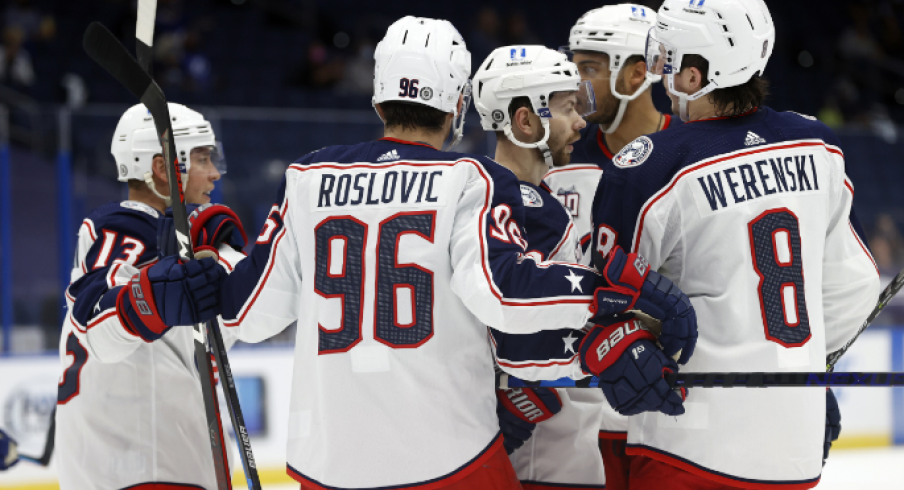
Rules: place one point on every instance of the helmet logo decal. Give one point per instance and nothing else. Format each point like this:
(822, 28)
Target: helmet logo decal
(498, 116)
(426, 93)
(699, 3)
(639, 12)
(518, 57)
(123, 171)
(544, 112)
(634, 154)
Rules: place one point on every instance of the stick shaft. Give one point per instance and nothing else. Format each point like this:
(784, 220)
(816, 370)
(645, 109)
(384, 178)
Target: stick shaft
(730, 380)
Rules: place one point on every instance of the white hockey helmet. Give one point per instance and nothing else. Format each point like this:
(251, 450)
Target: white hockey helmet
(535, 72)
(735, 36)
(424, 61)
(620, 31)
(135, 143)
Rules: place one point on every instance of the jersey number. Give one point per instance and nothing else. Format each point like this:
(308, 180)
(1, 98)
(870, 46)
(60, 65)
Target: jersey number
(69, 385)
(775, 246)
(404, 292)
(131, 249)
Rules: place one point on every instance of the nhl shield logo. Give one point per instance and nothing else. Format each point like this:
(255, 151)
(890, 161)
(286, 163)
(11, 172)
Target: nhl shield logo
(531, 197)
(634, 154)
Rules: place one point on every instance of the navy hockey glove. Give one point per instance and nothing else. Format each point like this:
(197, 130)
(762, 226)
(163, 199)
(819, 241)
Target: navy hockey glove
(170, 293)
(210, 225)
(631, 368)
(9, 454)
(520, 410)
(833, 424)
(633, 286)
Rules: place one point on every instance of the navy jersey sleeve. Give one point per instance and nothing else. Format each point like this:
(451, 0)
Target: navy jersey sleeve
(548, 354)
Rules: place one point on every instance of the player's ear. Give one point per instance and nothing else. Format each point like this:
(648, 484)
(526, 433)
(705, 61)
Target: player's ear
(636, 75)
(523, 123)
(694, 80)
(158, 167)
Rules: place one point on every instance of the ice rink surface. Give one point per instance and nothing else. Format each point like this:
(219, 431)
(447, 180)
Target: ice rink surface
(850, 469)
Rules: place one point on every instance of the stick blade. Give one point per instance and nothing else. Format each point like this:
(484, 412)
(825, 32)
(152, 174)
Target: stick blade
(106, 50)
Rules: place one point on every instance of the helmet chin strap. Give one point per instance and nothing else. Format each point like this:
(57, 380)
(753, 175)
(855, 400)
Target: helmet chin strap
(684, 98)
(149, 180)
(649, 80)
(540, 145)
(458, 129)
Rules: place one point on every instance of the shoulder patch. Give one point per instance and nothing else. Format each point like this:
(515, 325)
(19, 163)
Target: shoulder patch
(634, 154)
(140, 206)
(531, 197)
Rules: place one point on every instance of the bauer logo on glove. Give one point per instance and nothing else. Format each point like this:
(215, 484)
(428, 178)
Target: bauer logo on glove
(624, 329)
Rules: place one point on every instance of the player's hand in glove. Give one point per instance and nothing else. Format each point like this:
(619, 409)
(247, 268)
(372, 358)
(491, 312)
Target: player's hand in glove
(631, 368)
(9, 454)
(170, 293)
(633, 286)
(520, 410)
(833, 424)
(210, 225)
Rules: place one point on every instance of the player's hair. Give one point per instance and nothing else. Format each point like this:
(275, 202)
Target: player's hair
(514, 105)
(413, 116)
(730, 101)
(136, 185)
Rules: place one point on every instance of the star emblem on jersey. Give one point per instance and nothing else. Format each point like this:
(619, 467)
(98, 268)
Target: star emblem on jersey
(753, 139)
(569, 343)
(575, 281)
(634, 154)
(389, 155)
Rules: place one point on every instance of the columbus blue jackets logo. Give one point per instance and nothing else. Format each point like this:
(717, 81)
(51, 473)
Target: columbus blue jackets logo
(635, 153)
(531, 197)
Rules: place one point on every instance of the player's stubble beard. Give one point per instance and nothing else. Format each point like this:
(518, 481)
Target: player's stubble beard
(558, 144)
(607, 106)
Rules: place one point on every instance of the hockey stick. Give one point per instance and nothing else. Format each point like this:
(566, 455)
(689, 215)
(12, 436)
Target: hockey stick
(884, 297)
(728, 380)
(144, 32)
(44, 459)
(108, 52)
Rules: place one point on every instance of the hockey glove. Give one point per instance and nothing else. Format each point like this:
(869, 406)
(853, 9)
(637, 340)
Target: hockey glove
(170, 293)
(633, 286)
(520, 410)
(631, 368)
(210, 225)
(833, 424)
(9, 454)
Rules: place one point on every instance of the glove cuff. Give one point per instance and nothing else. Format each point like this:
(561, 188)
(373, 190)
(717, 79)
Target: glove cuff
(526, 405)
(603, 346)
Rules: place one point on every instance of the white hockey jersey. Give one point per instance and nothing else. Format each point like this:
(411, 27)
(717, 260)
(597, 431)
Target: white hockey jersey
(751, 218)
(128, 412)
(392, 271)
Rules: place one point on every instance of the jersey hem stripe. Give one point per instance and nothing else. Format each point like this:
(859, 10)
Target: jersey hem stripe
(525, 364)
(705, 163)
(577, 166)
(614, 435)
(161, 486)
(695, 469)
(436, 483)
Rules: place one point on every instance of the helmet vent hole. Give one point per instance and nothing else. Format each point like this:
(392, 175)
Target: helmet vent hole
(731, 41)
(455, 43)
(479, 88)
(405, 38)
(567, 73)
(725, 27)
(751, 22)
(718, 15)
(490, 63)
(428, 40)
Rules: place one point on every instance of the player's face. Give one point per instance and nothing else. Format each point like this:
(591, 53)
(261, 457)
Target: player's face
(564, 126)
(595, 68)
(201, 176)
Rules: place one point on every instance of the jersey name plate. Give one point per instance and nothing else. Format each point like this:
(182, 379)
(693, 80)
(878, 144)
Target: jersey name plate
(737, 182)
(377, 187)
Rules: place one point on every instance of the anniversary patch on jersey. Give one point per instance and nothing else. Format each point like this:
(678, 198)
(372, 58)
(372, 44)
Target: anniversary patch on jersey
(635, 153)
(140, 206)
(531, 197)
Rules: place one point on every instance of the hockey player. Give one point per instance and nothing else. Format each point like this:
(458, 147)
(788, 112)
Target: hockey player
(393, 256)
(118, 424)
(608, 44)
(536, 124)
(748, 210)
